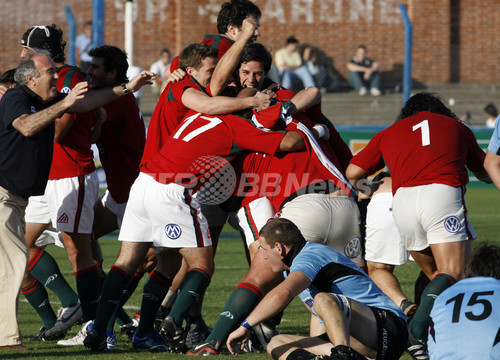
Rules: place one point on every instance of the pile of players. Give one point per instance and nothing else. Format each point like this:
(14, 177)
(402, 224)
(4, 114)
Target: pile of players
(221, 124)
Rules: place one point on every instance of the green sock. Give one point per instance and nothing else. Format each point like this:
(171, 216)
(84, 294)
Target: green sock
(120, 316)
(420, 322)
(155, 289)
(45, 269)
(37, 296)
(192, 288)
(112, 291)
(87, 284)
(241, 302)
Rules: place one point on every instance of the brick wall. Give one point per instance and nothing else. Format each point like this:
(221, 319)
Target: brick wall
(466, 54)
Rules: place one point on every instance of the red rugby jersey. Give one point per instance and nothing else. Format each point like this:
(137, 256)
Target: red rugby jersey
(168, 113)
(425, 148)
(199, 138)
(72, 155)
(121, 145)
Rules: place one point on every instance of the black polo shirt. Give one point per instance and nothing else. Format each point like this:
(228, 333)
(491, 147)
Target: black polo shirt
(24, 161)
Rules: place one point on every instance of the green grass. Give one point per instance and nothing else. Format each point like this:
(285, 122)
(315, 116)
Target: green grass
(230, 267)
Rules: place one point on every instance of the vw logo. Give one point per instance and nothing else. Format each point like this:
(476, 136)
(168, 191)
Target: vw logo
(353, 247)
(452, 224)
(173, 231)
(65, 90)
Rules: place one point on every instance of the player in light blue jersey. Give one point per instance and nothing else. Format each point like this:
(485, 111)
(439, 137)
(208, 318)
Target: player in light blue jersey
(358, 319)
(465, 318)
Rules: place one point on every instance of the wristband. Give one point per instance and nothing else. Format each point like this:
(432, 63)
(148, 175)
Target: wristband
(125, 90)
(320, 129)
(246, 325)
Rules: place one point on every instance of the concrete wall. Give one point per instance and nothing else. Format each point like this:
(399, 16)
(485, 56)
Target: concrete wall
(454, 40)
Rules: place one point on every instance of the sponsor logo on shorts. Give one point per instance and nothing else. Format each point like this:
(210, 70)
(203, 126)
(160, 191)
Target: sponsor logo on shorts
(173, 231)
(65, 90)
(385, 341)
(452, 224)
(33, 110)
(353, 247)
(309, 303)
(63, 219)
(227, 314)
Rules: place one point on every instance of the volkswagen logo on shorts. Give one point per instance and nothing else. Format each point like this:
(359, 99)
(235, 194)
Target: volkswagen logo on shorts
(452, 224)
(353, 247)
(173, 231)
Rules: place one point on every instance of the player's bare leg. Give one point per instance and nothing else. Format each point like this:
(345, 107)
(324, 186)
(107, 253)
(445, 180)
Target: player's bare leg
(359, 333)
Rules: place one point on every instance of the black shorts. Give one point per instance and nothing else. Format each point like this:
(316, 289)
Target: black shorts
(392, 334)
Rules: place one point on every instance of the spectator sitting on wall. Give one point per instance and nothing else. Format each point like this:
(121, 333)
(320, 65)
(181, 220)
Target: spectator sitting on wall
(290, 66)
(363, 73)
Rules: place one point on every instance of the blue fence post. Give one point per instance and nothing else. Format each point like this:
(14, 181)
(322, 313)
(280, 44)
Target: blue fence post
(98, 23)
(71, 36)
(407, 82)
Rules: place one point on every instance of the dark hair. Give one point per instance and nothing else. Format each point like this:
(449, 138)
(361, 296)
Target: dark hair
(47, 37)
(113, 58)
(292, 40)
(165, 50)
(281, 230)
(484, 260)
(234, 12)
(425, 102)
(7, 77)
(362, 46)
(193, 55)
(257, 52)
(491, 109)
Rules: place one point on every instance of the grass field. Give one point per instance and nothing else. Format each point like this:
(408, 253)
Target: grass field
(230, 267)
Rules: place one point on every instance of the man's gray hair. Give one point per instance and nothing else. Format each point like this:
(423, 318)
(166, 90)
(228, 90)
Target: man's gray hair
(24, 69)
(27, 67)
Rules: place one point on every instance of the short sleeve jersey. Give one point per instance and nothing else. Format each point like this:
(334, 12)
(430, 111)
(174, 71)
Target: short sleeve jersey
(24, 162)
(200, 138)
(282, 175)
(425, 148)
(168, 113)
(494, 145)
(465, 321)
(367, 63)
(72, 154)
(219, 41)
(121, 145)
(330, 271)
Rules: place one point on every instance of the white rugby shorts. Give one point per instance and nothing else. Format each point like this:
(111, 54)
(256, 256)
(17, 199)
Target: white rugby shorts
(166, 215)
(431, 214)
(251, 218)
(328, 219)
(67, 203)
(383, 244)
(109, 203)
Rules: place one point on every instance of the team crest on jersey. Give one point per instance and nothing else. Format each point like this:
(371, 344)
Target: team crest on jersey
(173, 231)
(65, 90)
(452, 224)
(353, 247)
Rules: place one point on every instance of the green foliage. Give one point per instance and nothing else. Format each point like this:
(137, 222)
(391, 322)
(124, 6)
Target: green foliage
(231, 265)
